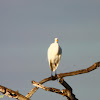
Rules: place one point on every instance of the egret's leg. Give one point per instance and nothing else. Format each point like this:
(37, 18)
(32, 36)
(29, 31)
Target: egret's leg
(51, 74)
(55, 72)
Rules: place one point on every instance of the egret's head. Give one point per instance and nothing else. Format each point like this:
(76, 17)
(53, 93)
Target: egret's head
(56, 40)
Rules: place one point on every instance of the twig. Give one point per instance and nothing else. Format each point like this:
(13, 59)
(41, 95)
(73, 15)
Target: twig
(12, 94)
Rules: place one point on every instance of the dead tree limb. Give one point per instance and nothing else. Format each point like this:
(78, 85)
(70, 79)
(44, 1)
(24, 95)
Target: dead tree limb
(82, 71)
(47, 88)
(35, 88)
(67, 91)
(12, 94)
(61, 75)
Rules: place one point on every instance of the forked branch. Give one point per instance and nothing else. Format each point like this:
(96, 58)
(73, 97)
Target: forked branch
(67, 91)
(61, 75)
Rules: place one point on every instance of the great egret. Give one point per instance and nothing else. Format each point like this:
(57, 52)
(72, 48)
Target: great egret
(54, 55)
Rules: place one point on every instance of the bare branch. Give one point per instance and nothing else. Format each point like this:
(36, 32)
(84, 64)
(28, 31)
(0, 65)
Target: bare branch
(17, 95)
(68, 90)
(35, 88)
(61, 75)
(46, 88)
(82, 71)
(12, 94)
(63, 92)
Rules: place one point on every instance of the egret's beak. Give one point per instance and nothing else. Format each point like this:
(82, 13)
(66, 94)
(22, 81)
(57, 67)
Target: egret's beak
(57, 40)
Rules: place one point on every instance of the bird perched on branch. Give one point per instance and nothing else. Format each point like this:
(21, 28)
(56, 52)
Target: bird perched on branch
(54, 55)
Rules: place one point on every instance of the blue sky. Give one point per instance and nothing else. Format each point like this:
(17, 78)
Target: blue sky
(27, 28)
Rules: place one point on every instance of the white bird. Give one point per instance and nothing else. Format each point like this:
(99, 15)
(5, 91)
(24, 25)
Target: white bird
(54, 55)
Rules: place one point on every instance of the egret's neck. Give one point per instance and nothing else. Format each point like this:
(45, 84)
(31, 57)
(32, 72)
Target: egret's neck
(55, 42)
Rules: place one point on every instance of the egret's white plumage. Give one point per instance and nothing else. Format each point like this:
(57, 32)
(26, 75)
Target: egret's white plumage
(54, 55)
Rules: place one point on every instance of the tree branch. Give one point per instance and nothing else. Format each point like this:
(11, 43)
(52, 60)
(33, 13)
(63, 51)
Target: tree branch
(50, 89)
(46, 88)
(65, 92)
(82, 71)
(68, 90)
(35, 88)
(12, 94)
(61, 75)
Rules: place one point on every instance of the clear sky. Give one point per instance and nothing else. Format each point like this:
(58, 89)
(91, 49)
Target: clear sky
(28, 27)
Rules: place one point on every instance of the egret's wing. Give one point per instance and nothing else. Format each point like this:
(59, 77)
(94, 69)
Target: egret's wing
(52, 51)
(60, 50)
(54, 55)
